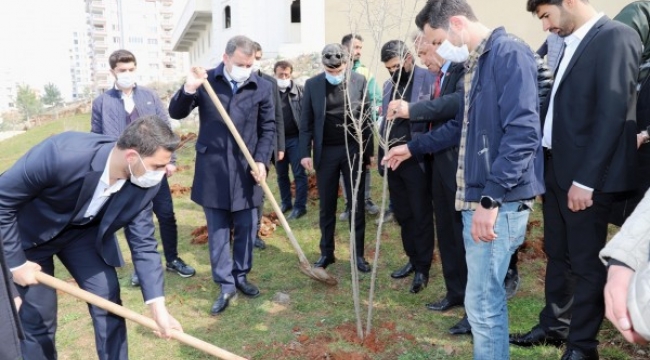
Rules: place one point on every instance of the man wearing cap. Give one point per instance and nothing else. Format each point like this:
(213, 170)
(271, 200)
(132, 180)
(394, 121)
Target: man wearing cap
(327, 126)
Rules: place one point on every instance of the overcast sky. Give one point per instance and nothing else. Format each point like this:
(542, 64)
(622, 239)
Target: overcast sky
(36, 36)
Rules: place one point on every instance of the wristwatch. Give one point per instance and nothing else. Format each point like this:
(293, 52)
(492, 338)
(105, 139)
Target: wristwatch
(489, 203)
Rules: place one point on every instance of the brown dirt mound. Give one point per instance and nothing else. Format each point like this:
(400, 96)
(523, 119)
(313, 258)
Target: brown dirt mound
(200, 235)
(179, 190)
(182, 168)
(269, 223)
(185, 138)
(317, 347)
(533, 247)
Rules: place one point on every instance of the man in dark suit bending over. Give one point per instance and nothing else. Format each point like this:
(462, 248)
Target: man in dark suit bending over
(67, 197)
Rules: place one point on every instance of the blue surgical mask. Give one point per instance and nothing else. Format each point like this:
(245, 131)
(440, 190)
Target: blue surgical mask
(334, 80)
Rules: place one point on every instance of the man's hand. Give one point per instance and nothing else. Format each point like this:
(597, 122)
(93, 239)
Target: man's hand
(194, 79)
(483, 224)
(26, 274)
(307, 164)
(642, 138)
(261, 172)
(397, 109)
(395, 156)
(579, 199)
(170, 169)
(280, 155)
(166, 322)
(616, 288)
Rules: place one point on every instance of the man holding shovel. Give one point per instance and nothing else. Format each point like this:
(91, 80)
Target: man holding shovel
(224, 184)
(67, 197)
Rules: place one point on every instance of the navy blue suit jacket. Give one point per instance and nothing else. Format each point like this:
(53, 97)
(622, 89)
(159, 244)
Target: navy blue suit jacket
(55, 180)
(422, 87)
(222, 178)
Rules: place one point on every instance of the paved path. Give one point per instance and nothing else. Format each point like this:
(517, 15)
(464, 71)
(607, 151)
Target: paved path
(4, 135)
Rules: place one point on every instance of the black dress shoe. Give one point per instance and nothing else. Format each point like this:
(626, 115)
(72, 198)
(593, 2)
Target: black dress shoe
(536, 336)
(403, 272)
(445, 304)
(575, 354)
(259, 243)
(247, 288)
(285, 208)
(324, 261)
(296, 214)
(420, 281)
(222, 302)
(462, 327)
(363, 265)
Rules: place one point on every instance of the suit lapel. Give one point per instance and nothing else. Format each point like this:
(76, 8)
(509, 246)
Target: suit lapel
(91, 179)
(418, 79)
(583, 44)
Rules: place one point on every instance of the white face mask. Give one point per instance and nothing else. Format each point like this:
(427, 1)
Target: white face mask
(256, 65)
(125, 79)
(283, 84)
(239, 73)
(149, 179)
(449, 51)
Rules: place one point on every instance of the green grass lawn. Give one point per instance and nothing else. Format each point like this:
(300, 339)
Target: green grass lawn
(318, 320)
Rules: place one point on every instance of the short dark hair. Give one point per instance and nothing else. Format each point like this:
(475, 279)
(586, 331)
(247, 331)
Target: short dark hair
(121, 56)
(436, 13)
(532, 5)
(256, 46)
(284, 65)
(146, 135)
(392, 49)
(347, 39)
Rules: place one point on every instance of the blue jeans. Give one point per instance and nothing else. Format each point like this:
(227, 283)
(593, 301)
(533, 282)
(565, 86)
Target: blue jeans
(292, 157)
(487, 264)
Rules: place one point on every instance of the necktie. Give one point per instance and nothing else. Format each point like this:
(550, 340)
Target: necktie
(234, 86)
(437, 88)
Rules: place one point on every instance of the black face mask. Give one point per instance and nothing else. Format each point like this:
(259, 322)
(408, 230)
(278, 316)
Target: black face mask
(400, 74)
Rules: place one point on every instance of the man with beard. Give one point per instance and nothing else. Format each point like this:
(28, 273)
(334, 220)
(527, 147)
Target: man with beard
(589, 139)
(410, 193)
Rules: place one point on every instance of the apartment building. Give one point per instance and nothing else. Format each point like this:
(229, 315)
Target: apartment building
(143, 27)
(81, 64)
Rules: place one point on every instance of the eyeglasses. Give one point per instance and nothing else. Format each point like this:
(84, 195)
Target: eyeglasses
(328, 56)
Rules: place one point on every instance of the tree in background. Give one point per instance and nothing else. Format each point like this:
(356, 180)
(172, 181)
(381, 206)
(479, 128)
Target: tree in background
(52, 95)
(27, 102)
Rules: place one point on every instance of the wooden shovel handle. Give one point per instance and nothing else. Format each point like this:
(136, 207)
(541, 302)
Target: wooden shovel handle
(133, 316)
(244, 149)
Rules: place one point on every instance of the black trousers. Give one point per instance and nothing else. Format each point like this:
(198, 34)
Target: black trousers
(334, 161)
(575, 277)
(38, 313)
(163, 207)
(449, 229)
(410, 195)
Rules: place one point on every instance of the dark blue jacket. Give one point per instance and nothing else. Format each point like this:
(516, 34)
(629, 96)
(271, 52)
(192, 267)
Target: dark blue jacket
(44, 190)
(422, 86)
(503, 151)
(222, 176)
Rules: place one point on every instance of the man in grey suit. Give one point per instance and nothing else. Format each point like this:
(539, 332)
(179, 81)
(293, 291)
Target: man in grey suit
(111, 113)
(67, 197)
(326, 121)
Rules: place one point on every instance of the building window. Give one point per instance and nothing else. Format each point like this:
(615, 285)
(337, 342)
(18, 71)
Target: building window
(226, 17)
(152, 41)
(295, 11)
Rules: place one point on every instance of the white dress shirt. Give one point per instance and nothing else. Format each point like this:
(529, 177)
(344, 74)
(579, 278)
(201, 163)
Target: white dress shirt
(103, 191)
(571, 44)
